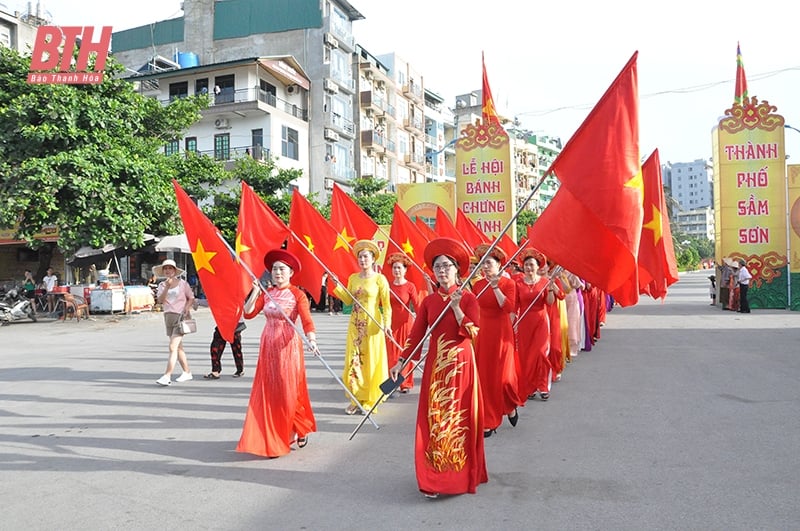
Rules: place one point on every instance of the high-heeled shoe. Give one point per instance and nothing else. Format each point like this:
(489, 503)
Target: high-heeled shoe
(513, 418)
(302, 441)
(488, 433)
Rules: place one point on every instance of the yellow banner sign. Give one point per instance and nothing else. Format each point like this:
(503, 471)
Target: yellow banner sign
(484, 185)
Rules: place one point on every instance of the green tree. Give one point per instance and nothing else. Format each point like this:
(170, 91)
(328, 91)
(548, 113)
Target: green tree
(524, 219)
(370, 194)
(268, 181)
(88, 159)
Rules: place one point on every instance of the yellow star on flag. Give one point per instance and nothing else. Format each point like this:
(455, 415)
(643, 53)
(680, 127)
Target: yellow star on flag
(309, 243)
(655, 225)
(202, 258)
(637, 182)
(240, 247)
(408, 248)
(343, 240)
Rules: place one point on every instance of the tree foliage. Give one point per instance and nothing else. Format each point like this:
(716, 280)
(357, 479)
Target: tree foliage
(267, 180)
(524, 219)
(88, 159)
(369, 194)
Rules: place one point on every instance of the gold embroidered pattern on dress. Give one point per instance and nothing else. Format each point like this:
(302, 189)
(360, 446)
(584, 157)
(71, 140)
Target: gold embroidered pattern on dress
(447, 422)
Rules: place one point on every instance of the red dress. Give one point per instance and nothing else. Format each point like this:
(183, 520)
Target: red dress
(402, 321)
(279, 408)
(448, 447)
(495, 352)
(533, 338)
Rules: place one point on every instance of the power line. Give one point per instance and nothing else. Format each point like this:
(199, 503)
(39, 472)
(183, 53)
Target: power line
(685, 90)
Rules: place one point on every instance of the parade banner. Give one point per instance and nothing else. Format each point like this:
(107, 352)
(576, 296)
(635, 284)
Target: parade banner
(421, 200)
(750, 197)
(484, 187)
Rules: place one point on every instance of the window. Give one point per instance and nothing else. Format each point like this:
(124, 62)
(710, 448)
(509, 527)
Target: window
(290, 143)
(224, 89)
(171, 147)
(191, 143)
(268, 92)
(178, 90)
(257, 141)
(201, 86)
(222, 146)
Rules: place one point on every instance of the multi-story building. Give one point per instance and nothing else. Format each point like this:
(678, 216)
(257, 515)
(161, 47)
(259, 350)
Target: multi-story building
(259, 108)
(316, 33)
(18, 30)
(440, 138)
(408, 131)
(690, 183)
(698, 222)
(690, 186)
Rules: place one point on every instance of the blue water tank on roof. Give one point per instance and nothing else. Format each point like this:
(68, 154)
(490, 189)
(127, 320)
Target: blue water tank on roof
(188, 59)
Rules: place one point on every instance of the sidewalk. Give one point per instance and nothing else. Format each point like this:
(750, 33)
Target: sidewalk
(682, 417)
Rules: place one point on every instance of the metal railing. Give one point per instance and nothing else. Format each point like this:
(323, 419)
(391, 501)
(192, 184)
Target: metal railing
(228, 96)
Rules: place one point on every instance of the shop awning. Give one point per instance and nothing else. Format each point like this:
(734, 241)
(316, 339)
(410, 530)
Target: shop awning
(176, 243)
(86, 256)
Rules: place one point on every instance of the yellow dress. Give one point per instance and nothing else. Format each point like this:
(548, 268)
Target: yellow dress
(365, 365)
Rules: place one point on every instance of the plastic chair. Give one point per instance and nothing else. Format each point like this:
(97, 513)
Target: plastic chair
(77, 305)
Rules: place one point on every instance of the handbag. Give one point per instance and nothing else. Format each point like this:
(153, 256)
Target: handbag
(240, 327)
(188, 326)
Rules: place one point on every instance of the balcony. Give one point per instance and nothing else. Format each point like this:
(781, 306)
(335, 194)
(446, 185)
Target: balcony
(374, 141)
(413, 91)
(342, 125)
(229, 155)
(415, 160)
(413, 124)
(248, 101)
(371, 100)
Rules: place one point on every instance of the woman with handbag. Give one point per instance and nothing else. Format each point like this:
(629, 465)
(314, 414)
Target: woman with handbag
(176, 298)
(279, 412)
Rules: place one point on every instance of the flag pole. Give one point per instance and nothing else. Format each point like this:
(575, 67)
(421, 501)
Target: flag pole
(301, 334)
(556, 271)
(466, 282)
(333, 276)
(419, 268)
(390, 385)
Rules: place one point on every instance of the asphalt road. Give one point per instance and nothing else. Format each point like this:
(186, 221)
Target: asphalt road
(683, 416)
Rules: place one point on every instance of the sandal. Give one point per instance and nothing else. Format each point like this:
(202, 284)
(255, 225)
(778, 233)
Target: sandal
(238, 374)
(211, 376)
(302, 441)
(352, 409)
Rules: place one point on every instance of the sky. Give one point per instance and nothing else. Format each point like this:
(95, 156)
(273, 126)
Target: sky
(549, 63)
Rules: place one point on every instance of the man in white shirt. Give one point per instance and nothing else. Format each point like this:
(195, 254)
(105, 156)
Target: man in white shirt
(743, 278)
(50, 281)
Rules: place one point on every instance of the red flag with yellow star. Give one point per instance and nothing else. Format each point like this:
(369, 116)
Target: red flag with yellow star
(657, 265)
(404, 237)
(222, 278)
(488, 110)
(348, 219)
(593, 224)
(259, 230)
(318, 246)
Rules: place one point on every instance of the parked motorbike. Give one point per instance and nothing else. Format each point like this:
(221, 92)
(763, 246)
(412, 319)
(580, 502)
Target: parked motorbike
(15, 307)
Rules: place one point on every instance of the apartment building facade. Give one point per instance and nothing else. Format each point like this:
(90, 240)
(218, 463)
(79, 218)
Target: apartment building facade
(317, 34)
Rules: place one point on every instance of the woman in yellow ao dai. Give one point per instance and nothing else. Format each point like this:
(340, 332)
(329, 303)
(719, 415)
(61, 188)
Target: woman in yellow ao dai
(365, 365)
